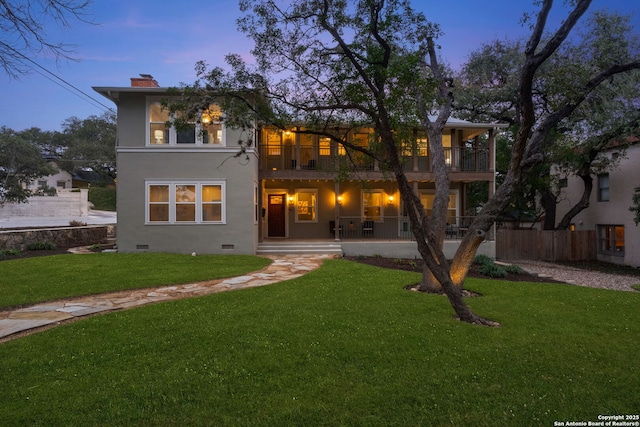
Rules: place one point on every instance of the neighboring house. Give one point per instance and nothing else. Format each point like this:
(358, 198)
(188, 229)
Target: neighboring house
(61, 180)
(85, 179)
(184, 191)
(608, 212)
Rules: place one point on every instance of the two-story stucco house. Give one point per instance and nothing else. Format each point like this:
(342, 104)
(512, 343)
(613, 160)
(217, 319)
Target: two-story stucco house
(608, 212)
(183, 191)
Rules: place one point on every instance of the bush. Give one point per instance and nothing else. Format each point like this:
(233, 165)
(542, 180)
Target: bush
(76, 223)
(492, 270)
(9, 252)
(514, 269)
(103, 199)
(482, 260)
(41, 246)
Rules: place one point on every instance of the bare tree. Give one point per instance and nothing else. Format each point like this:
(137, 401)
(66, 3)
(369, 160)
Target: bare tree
(22, 25)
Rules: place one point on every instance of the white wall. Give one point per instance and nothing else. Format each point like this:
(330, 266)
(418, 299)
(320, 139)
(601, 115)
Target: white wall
(66, 203)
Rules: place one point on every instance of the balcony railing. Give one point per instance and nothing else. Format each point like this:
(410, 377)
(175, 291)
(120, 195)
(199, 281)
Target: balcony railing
(393, 228)
(308, 157)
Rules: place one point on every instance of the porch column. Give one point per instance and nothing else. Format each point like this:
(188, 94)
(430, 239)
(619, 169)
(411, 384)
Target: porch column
(336, 211)
(297, 139)
(455, 147)
(414, 151)
(492, 161)
(261, 208)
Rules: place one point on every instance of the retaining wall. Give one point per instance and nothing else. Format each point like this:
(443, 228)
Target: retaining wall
(60, 236)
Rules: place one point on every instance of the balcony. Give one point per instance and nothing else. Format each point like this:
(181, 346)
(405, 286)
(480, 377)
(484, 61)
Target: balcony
(313, 158)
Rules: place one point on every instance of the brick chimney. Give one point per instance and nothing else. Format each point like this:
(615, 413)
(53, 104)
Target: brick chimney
(145, 80)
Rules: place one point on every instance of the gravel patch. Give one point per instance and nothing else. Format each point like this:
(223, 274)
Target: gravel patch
(580, 277)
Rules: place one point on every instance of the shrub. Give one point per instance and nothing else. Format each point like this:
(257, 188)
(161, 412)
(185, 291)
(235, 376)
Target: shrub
(482, 260)
(9, 252)
(492, 270)
(76, 223)
(514, 269)
(41, 246)
(103, 199)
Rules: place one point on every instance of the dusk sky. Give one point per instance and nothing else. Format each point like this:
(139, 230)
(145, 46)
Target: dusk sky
(166, 39)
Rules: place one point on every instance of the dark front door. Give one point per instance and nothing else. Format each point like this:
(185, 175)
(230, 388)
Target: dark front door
(277, 205)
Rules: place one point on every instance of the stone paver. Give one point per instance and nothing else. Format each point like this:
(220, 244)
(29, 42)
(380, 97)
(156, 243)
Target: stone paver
(17, 322)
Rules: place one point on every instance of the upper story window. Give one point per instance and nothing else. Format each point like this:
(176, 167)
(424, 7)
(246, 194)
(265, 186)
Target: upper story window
(603, 187)
(207, 129)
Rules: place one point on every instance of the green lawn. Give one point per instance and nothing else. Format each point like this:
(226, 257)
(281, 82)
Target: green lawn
(342, 345)
(31, 280)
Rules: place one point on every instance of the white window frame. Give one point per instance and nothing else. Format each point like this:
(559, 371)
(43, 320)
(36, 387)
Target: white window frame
(372, 191)
(256, 203)
(173, 135)
(452, 193)
(604, 187)
(315, 206)
(198, 202)
(607, 236)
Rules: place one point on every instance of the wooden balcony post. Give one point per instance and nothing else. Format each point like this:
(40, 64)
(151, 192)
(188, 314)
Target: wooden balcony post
(297, 155)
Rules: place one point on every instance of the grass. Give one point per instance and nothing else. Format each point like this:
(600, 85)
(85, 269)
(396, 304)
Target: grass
(31, 280)
(343, 345)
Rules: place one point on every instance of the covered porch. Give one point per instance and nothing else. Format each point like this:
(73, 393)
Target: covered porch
(357, 214)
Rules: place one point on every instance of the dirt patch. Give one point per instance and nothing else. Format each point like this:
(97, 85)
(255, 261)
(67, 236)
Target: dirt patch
(416, 266)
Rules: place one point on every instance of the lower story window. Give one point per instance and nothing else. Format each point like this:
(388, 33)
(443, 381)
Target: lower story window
(192, 202)
(611, 239)
(306, 205)
(372, 205)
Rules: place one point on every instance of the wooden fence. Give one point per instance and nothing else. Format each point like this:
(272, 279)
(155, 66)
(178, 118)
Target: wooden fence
(547, 245)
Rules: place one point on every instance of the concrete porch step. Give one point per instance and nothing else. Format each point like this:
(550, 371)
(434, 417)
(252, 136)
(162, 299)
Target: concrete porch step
(275, 248)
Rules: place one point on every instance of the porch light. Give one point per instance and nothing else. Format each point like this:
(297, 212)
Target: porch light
(290, 200)
(339, 200)
(390, 200)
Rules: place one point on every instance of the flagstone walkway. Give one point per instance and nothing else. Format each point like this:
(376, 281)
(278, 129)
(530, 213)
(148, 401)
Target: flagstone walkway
(20, 321)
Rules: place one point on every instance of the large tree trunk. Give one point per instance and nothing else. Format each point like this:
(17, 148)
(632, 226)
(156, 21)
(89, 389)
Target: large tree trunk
(549, 203)
(582, 204)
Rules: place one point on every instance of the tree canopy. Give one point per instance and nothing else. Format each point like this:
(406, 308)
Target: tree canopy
(376, 64)
(20, 163)
(23, 25)
(609, 112)
(90, 144)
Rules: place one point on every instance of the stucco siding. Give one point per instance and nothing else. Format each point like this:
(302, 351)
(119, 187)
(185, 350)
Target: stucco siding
(238, 235)
(615, 211)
